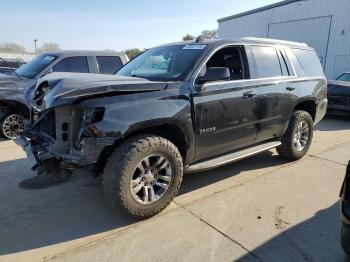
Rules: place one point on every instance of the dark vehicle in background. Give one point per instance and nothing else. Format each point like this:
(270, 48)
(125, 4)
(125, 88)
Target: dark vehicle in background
(183, 107)
(7, 66)
(13, 107)
(339, 95)
(345, 211)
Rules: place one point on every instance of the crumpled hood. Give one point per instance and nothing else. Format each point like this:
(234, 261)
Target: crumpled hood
(338, 88)
(66, 88)
(10, 82)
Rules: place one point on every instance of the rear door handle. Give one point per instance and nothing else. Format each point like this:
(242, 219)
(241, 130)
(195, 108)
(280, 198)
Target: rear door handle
(249, 94)
(290, 88)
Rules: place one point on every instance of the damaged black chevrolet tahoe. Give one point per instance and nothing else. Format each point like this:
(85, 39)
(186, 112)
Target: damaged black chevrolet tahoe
(178, 108)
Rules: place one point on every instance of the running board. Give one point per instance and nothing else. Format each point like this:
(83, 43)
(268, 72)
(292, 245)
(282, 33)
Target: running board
(226, 159)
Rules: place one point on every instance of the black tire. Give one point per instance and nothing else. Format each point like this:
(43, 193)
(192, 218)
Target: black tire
(120, 168)
(345, 238)
(3, 114)
(288, 150)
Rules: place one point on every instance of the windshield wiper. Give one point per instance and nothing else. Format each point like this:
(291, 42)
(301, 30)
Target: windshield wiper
(12, 69)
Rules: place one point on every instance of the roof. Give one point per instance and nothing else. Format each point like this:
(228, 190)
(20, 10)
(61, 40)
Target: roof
(244, 40)
(257, 10)
(83, 53)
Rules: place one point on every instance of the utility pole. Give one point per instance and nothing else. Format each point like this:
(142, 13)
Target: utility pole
(36, 53)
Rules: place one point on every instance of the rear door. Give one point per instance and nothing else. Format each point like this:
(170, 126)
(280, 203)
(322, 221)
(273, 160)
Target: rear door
(276, 93)
(109, 64)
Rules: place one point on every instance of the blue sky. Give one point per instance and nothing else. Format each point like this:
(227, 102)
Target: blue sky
(107, 24)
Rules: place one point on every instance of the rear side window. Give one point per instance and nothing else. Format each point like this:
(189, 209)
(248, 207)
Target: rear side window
(109, 64)
(77, 64)
(267, 63)
(309, 62)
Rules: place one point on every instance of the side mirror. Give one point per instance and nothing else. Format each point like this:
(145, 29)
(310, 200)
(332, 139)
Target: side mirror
(215, 74)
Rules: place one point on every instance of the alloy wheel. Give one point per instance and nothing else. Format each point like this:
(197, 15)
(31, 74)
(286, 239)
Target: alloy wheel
(301, 136)
(12, 126)
(151, 179)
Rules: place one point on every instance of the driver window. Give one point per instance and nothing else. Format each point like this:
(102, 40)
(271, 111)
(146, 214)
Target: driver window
(230, 57)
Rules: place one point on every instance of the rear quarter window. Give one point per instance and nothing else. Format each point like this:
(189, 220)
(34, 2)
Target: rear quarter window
(309, 62)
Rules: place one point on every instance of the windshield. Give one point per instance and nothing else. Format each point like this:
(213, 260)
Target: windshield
(34, 67)
(170, 63)
(344, 77)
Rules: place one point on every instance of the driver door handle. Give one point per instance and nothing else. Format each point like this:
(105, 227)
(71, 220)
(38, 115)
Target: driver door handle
(290, 88)
(249, 94)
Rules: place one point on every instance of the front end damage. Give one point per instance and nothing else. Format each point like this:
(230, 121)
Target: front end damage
(63, 138)
(67, 127)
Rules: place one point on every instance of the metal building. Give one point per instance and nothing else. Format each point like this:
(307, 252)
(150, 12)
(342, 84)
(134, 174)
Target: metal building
(322, 24)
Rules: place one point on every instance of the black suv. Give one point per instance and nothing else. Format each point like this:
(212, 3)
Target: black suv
(13, 107)
(182, 107)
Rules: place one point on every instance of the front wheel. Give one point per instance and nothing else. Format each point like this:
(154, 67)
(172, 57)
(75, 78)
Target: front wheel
(143, 175)
(298, 137)
(11, 125)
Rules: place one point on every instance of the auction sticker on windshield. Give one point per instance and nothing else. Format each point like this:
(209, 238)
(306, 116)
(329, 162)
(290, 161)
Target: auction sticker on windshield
(196, 47)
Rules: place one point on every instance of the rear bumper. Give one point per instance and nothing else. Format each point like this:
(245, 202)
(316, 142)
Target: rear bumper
(321, 110)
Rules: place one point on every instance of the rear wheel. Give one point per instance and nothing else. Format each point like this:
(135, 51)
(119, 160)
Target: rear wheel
(143, 175)
(298, 137)
(11, 125)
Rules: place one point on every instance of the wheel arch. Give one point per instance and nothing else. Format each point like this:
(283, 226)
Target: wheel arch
(169, 131)
(307, 105)
(16, 106)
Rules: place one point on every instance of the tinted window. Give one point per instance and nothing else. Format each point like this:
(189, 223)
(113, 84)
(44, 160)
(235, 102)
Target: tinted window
(344, 77)
(294, 60)
(35, 66)
(229, 57)
(164, 63)
(309, 62)
(76, 64)
(109, 64)
(267, 62)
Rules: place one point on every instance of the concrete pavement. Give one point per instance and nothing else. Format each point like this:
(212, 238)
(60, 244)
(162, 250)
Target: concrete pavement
(258, 209)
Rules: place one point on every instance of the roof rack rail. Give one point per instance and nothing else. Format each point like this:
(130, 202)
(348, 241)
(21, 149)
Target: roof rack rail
(270, 40)
(200, 39)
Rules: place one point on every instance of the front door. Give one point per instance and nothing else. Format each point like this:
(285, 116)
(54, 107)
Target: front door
(225, 110)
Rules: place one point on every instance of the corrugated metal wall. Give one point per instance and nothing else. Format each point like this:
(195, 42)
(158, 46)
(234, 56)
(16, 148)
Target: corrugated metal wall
(323, 24)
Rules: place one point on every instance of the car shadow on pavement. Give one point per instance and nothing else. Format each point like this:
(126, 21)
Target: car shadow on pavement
(31, 219)
(35, 217)
(198, 180)
(334, 123)
(316, 239)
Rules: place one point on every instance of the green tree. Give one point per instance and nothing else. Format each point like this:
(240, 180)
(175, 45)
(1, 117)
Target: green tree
(133, 52)
(188, 37)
